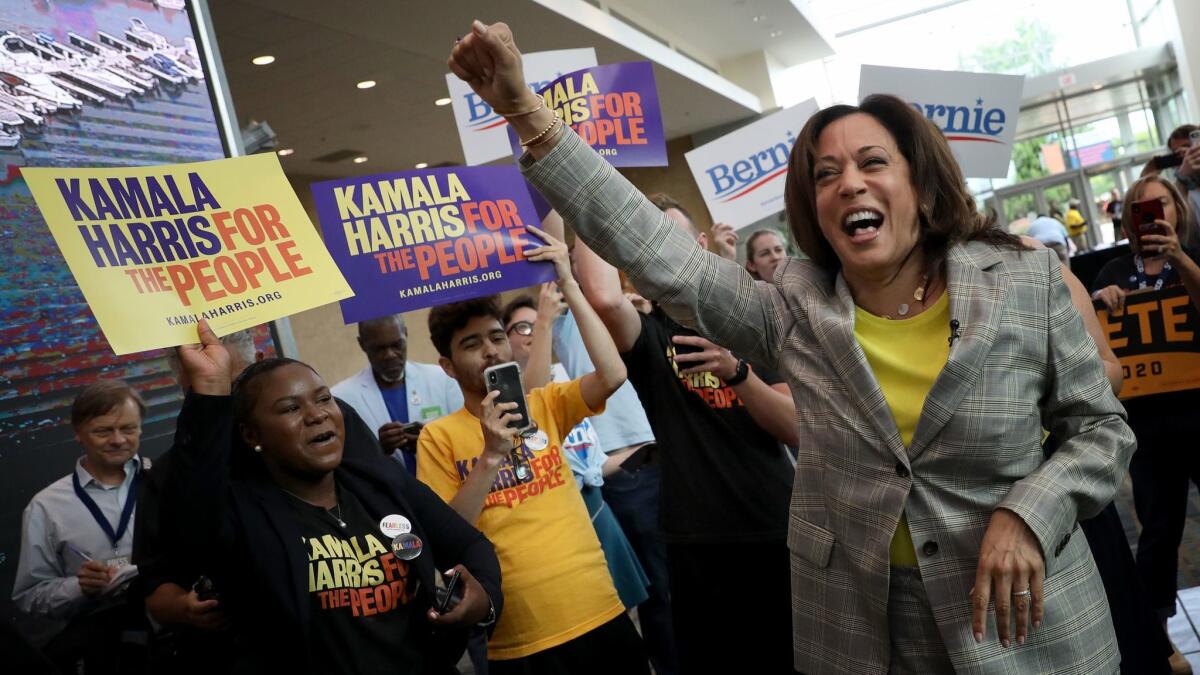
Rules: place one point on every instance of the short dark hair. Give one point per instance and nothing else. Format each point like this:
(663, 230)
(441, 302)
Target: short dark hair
(444, 320)
(100, 398)
(1181, 132)
(247, 386)
(946, 211)
(665, 201)
(524, 300)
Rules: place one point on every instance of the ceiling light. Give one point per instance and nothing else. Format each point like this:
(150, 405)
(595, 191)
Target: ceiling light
(264, 60)
(1097, 87)
(776, 33)
(759, 18)
(442, 101)
(365, 84)
(422, 165)
(285, 152)
(360, 159)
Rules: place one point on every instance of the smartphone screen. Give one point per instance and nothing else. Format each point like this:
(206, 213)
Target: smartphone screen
(506, 379)
(1144, 214)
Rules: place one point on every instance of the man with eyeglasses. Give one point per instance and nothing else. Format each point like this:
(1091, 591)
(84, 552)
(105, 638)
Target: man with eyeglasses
(395, 396)
(77, 536)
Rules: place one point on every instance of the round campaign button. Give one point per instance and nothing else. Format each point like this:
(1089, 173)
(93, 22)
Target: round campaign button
(407, 546)
(394, 524)
(537, 441)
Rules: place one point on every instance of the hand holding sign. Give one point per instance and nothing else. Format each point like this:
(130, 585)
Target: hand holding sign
(207, 364)
(554, 251)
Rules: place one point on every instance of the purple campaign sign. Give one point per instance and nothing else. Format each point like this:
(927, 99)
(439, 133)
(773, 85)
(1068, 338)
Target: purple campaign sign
(417, 239)
(614, 109)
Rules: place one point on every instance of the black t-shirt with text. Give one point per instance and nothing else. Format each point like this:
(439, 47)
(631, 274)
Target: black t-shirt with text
(723, 476)
(1142, 410)
(360, 593)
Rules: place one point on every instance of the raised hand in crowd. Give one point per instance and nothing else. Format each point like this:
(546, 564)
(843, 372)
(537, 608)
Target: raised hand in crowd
(726, 239)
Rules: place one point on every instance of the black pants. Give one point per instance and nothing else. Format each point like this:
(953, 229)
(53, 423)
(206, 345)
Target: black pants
(633, 498)
(732, 604)
(612, 648)
(1165, 462)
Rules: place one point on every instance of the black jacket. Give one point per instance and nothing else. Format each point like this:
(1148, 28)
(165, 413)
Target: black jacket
(241, 528)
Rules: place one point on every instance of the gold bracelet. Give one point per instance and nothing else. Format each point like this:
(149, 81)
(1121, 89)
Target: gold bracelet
(541, 104)
(558, 131)
(543, 132)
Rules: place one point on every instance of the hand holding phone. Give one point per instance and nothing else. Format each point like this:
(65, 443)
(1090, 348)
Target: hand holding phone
(506, 380)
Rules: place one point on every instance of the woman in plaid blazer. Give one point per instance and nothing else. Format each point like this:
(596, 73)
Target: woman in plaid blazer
(1001, 582)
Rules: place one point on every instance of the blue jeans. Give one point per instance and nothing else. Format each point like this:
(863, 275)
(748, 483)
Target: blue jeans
(633, 498)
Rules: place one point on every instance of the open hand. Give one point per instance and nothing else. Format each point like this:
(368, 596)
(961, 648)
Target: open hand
(1011, 574)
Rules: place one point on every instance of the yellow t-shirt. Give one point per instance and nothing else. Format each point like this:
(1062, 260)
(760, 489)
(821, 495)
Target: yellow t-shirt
(906, 356)
(555, 580)
(1076, 225)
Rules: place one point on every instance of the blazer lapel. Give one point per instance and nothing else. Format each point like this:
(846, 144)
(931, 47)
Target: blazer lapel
(976, 302)
(833, 324)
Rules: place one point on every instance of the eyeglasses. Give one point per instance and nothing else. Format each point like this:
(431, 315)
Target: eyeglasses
(524, 328)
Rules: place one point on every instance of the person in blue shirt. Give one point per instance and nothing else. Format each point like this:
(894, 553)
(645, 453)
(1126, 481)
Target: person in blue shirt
(395, 396)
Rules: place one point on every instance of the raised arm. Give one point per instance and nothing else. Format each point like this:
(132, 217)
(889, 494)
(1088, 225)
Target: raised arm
(715, 296)
(609, 373)
(601, 284)
(537, 369)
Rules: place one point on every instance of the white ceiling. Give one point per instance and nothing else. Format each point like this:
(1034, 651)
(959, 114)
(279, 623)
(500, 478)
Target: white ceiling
(323, 48)
(712, 30)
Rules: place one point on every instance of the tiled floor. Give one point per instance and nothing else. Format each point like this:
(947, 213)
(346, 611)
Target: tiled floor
(1183, 627)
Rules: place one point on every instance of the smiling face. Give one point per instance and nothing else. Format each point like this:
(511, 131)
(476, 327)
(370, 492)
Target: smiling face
(111, 439)
(474, 348)
(297, 423)
(765, 254)
(865, 202)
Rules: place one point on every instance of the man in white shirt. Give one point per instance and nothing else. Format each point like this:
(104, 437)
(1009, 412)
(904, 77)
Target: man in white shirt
(77, 533)
(393, 395)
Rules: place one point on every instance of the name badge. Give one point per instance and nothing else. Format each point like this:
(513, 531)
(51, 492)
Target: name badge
(118, 562)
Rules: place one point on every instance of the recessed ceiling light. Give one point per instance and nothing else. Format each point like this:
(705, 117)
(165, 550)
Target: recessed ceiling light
(1097, 87)
(360, 159)
(776, 33)
(442, 101)
(365, 84)
(422, 165)
(264, 60)
(758, 18)
(285, 152)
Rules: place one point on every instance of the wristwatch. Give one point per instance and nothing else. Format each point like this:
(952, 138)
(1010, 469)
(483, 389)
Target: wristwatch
(739, 374)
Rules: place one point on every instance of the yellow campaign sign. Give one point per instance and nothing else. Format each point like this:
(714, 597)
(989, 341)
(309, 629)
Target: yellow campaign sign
(1156, 339)
(154, 249)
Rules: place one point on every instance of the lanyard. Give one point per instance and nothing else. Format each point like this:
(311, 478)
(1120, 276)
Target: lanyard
(1144, 281)
(126, 511)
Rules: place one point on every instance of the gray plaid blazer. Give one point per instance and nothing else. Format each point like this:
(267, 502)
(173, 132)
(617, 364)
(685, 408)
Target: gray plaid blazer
(1023, 363)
